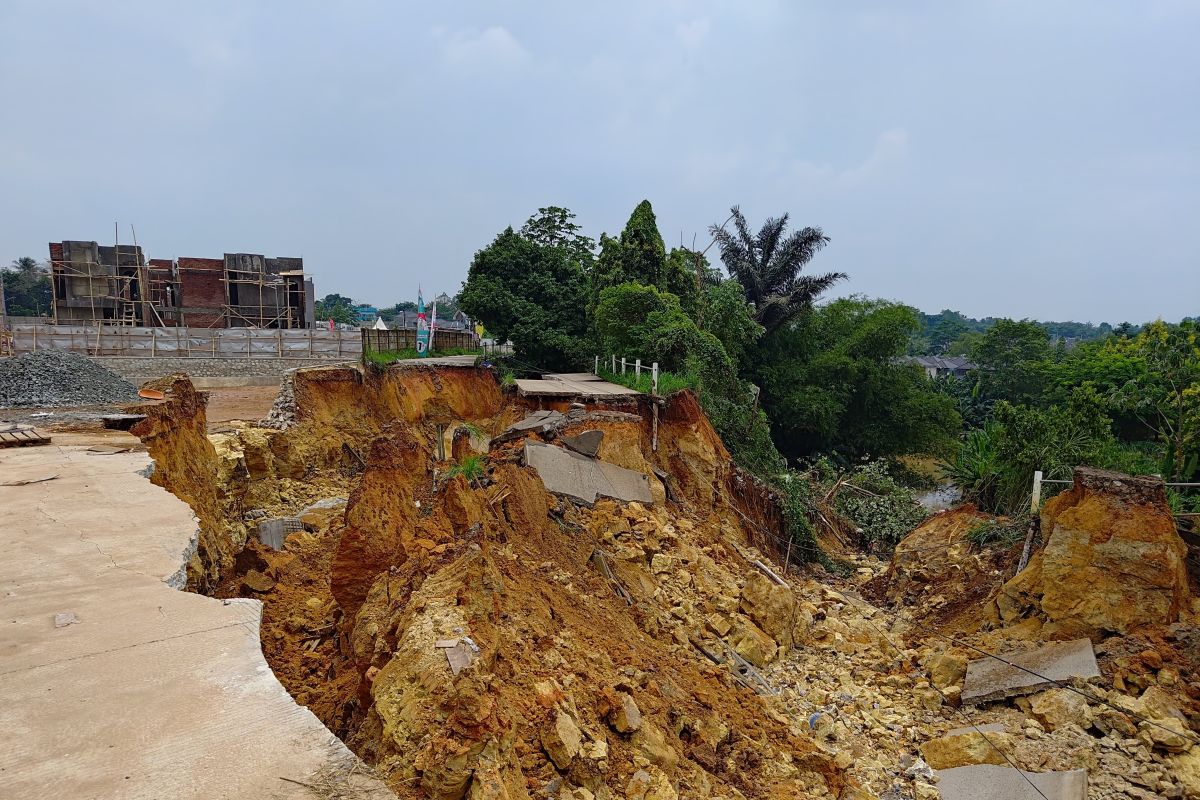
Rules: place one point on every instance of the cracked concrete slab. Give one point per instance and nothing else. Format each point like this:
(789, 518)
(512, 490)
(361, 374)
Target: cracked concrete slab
(569, 473)
(990, 782)
(152, 692)
(560, 386)
(990, 679)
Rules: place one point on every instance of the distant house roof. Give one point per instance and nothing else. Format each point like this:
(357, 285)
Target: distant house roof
(950, 363)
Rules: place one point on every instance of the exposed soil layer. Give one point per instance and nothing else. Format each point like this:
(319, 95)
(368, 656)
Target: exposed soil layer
(589, 636)
(571, 690)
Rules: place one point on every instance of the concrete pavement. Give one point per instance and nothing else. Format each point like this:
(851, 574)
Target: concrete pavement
(152, 692)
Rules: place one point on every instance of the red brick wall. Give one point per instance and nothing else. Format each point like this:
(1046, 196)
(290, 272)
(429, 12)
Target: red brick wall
(202, 290)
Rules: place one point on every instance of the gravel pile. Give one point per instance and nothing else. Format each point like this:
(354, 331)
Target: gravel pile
(52, 378)
(283, 411)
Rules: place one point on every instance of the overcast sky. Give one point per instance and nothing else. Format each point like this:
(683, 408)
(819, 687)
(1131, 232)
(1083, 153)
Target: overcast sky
(1001, 158)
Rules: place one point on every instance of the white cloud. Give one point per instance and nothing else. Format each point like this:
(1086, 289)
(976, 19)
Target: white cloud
(490, 48)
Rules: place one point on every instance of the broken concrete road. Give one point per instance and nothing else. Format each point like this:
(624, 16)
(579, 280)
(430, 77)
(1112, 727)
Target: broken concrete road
(565, 472)
(152, 692)
(991, 679)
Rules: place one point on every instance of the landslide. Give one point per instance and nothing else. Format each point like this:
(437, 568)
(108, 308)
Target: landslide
(1107, 565)
(586, 627)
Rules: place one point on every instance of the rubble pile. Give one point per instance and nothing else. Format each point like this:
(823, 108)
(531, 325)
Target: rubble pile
(282, 414)
(472, 634)
(57, 378)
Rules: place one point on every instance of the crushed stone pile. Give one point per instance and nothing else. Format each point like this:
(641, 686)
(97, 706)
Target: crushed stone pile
(283, 411)
(56, 378)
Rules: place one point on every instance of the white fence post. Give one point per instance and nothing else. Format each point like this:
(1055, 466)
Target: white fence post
(596, 369)
(654, 378)
(637, 368)
(1035, 500)
(622, 365)
(614, 364)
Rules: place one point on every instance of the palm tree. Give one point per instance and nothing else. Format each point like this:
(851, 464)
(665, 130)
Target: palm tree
(768, 267)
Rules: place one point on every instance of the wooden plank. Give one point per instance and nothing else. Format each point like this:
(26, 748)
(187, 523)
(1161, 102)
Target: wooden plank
(22, 437)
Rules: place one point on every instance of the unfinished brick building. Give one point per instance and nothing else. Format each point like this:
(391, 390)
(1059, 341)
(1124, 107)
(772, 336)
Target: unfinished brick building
(116, 286)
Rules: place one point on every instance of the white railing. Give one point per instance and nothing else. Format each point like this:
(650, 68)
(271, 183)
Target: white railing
(636, 366)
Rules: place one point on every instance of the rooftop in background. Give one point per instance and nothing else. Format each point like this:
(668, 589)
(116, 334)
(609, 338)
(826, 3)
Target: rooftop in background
(940, 366)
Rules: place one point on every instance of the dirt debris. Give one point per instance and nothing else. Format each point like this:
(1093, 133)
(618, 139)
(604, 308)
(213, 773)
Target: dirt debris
(627, 680)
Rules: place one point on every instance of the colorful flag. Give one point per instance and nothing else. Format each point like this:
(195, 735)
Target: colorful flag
(422, 327)
(433, 327)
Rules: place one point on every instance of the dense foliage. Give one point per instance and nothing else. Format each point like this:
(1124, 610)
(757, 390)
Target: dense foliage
(820, 400)
(834, 382)
(531, 294)
(27, 290)
(1130, 402)
(336, 307)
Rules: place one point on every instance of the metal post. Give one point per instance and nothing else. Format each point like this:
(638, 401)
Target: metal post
(654, 378)
(1035, 501)
(622, 365)
(596, 369)
(637, 368)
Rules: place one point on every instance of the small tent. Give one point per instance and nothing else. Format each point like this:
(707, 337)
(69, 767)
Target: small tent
(380, 325)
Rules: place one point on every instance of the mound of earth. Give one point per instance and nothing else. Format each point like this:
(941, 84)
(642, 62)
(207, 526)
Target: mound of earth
(938, 569)
(57, 378)
(1112, 560)
(471, 634)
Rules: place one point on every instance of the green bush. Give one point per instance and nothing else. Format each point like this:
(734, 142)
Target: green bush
(878, 505)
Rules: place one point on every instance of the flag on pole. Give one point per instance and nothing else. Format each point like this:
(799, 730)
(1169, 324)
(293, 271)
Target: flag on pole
(433, 327)
(422, 327)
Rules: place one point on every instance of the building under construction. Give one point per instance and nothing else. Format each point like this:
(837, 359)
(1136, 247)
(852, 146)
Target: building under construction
(117, 286)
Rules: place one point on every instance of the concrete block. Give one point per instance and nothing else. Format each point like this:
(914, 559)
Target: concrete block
(990, 782)
(990, 679)
(565, 472)
(586, 443)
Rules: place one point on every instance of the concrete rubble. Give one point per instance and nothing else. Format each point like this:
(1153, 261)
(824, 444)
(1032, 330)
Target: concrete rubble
(1029, 671)
(1005, 783)
(565, 472)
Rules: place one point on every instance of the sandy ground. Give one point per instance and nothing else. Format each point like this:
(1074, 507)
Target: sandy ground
(250, 403)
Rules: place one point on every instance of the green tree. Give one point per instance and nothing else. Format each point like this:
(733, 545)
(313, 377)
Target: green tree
(643, 254)
(637, 256)
(768, 266)
(336, 307)
(531, 294)
(949, 326)
(1166, 395)
(679, 278)
(730, 318)
(554, 226)
(1013, 360)
(27, 291)
(834, 382)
